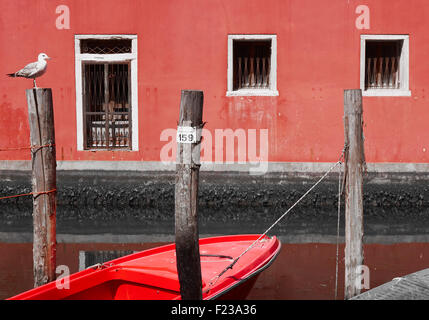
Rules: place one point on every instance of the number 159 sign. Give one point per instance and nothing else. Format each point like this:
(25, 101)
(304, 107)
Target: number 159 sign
(186, 135)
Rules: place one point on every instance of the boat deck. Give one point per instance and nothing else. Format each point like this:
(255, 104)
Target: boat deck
(414, 286)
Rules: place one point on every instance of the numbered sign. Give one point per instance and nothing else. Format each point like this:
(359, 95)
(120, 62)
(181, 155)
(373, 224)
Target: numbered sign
(186, 135)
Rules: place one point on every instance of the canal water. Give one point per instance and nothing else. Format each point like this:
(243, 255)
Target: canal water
(137, 212)
(301, 271)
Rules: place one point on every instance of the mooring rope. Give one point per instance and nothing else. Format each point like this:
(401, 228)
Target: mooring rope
(32, 148)
(340, 191)
(230, 266)
(35, 194)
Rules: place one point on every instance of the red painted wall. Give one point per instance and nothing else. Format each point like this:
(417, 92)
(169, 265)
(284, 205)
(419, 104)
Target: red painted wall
(182, 44)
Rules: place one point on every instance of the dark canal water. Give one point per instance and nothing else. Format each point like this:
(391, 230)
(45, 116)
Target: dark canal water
(137, 212)
(301, 271)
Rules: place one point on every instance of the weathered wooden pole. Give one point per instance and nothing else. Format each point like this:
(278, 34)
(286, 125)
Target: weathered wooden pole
(354, 165)
(43, 156)
(186, 194)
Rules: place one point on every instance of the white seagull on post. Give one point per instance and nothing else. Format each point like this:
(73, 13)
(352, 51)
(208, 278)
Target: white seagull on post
(33, 70)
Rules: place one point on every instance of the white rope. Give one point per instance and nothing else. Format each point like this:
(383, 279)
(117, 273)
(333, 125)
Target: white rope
(338, 230)
(340, 192)
(277, 221)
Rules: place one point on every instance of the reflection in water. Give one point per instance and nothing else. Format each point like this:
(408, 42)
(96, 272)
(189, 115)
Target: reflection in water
(131, 211)
(304, 269)
(301, 271)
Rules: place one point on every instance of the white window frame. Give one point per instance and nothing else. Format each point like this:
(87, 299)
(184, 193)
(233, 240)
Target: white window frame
(80, 58)
(404, 68)
(272, 90)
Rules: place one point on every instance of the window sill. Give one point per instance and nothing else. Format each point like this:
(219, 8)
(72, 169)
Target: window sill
(386, 93)
(104, 150)
(252, 92)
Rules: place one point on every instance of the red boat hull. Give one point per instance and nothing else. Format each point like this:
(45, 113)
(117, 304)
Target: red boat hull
(152, 274)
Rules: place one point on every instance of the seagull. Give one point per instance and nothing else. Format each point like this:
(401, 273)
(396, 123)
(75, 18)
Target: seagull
(33, 70)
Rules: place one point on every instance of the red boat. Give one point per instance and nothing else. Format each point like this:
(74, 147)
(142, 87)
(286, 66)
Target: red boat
(152, 274)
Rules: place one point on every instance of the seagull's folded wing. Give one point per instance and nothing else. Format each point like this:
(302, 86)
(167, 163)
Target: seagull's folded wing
(28, 70)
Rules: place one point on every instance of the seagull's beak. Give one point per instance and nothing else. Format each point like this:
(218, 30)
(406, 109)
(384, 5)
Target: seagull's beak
(48, 58)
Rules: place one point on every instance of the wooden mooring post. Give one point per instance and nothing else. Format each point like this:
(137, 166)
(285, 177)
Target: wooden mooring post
(43, 159)
(354, 165)
(186, 194)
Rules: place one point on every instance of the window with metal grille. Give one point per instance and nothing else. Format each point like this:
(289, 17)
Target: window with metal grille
(384, 67)
(101, 46)
(251, 64)
(382, 64)
(106, 105)
(106, 92)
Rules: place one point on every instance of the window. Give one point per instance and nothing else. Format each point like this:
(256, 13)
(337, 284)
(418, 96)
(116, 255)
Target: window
(252, 65)
(385, 65)
(106, 92)
(106, 107)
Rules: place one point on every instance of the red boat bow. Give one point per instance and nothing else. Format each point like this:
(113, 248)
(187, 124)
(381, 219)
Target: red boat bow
(152, 274)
